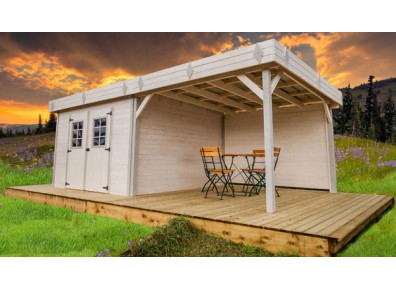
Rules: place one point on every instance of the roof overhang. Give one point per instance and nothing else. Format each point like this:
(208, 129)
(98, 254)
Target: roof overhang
(221, 82)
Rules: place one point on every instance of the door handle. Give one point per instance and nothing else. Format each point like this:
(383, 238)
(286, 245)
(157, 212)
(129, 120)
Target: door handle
(87, 149)
(107, 149)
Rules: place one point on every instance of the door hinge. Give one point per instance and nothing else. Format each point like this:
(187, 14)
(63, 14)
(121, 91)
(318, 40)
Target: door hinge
(108, 149)
(68, 150)
(106, 187)
(66, 184)
(87, 149)
(71, 120)
(110, 113)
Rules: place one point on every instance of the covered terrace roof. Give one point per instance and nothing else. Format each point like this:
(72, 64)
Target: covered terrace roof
(226, 83)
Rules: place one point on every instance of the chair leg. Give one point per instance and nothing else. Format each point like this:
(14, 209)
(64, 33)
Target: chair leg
(212, 180)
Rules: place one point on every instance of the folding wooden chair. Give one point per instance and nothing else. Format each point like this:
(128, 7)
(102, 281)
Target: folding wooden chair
(216, 171)
(256, 170)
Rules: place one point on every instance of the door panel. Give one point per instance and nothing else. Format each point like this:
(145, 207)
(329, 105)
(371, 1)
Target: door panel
(97, 165)
(76, 151)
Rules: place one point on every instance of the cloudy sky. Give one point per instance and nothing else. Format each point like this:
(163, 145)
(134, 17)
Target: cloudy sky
(38, 67)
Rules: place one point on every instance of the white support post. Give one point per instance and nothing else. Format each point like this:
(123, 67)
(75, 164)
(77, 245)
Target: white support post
(132, 179)
(330, 148)
(268, 143)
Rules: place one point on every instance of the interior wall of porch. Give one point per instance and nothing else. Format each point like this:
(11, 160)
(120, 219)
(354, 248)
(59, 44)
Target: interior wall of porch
(301, 135)
(169, 136)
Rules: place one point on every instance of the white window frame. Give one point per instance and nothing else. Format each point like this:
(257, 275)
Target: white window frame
(100, 135)
(82, 134)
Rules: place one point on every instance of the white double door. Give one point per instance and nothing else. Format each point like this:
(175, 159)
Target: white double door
(89, 150)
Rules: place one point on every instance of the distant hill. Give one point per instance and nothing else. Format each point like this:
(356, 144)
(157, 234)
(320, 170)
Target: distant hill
(381, 87)
(18, 128)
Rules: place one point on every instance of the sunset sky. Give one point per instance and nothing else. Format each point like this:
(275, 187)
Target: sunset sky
(38, 67)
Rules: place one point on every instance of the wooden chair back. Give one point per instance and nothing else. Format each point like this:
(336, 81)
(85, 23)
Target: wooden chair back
(212, 158)
(259, 155)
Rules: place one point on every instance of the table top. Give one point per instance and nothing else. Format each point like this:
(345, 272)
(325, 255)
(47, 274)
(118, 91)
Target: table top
(240, 154)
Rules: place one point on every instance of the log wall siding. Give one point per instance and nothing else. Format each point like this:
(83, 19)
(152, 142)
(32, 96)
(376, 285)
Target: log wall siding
(300, 133)
(170, 134)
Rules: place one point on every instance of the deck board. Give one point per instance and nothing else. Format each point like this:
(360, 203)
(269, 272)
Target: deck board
(309, 222)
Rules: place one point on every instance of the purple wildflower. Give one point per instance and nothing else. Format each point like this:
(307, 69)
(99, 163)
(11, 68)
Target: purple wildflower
(100, 254)
(107, 251)
(130, 242)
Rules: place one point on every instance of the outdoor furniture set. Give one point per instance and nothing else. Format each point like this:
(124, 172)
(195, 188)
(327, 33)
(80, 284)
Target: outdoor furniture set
(218, 172)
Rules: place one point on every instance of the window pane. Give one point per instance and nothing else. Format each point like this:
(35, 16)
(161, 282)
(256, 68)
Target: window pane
(102, 140)
(103, 122)
(80, 125)
(96, 142)
(79, 142)
(74, 133)
(96, 132)
(80, 133)
(103, 131)
(75, 125)
(96, 122)
(74, 143)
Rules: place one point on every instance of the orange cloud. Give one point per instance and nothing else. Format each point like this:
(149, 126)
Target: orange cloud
(12, 112)
(335, 64)
(40, 71)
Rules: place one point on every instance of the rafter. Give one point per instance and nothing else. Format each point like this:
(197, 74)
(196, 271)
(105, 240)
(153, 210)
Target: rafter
(217, 98)
(287, 84)
(236, 91)
(307, 88)
(288, 98)
(193, 101)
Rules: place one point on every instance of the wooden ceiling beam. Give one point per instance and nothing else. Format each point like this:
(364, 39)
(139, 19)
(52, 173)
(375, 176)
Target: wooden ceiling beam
(288, 98)
(236, 91)
(217, 98)
(195, 102)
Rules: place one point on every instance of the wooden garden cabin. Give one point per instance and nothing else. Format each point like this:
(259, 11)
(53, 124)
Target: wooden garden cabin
(143, 135)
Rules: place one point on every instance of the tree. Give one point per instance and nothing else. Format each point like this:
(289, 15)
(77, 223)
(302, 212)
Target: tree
(371, 104)
(2, 134)
(343, 123)
(389, 117)
(356, 119)
(40, 128)
(50, 126)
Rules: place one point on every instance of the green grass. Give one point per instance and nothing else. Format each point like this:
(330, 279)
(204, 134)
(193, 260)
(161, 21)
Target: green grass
(359, 173)
(36, 230)
(29, 229)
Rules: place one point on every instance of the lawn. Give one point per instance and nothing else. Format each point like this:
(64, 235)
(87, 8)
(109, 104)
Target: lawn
(365, 166)
(29, 229)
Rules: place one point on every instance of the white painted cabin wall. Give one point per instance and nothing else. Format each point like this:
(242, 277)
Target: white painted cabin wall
(301, 135)
(120, 145)
(170, 134)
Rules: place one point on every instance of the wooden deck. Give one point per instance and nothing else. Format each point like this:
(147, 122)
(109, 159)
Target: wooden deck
(307, 223)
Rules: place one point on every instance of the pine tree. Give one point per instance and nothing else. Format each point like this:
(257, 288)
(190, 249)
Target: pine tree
(371, 103)
(356, 119)
(40, 128)
(343, 123)
(1, 132)
(50, 126)
(389, 117)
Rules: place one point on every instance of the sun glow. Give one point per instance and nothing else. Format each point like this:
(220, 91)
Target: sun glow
(13, 112)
